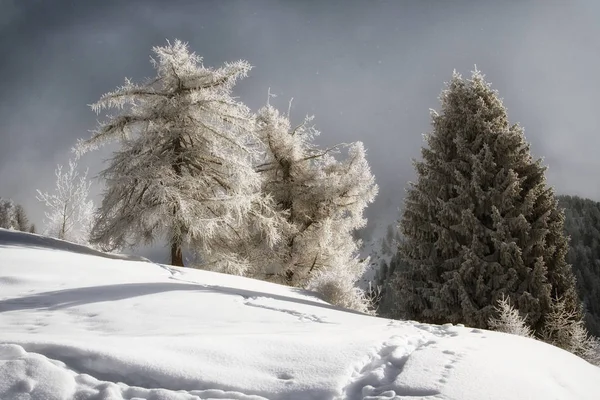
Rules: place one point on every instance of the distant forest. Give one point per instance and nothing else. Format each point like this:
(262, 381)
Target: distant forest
(582, 224)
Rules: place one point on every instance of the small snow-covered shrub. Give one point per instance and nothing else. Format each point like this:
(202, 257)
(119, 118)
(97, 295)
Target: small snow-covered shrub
(562, 329)
(509, 320)
(338, 287)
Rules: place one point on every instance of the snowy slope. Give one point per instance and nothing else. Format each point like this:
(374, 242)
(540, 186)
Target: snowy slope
(77, 325)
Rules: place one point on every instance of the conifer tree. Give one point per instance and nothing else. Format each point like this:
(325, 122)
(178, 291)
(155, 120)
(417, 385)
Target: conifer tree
(7, 214)
(385, 279)
(21, 218)
(480, 222)
(184, 169)
(565, 329)
(509, 320)
(322, 199)
(12, 216)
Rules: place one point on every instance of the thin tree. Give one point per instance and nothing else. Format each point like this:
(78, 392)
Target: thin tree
(184, 169)
(70, 212)
(480, 222)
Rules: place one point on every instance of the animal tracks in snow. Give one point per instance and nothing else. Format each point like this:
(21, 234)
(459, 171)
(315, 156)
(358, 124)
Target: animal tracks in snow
(396, 369)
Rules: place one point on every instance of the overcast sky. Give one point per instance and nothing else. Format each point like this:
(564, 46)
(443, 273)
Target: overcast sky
(367, 70)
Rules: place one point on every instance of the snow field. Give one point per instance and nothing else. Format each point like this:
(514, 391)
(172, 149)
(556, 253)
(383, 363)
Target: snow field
(84, 326)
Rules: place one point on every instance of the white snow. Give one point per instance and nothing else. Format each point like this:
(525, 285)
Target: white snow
(76, 324)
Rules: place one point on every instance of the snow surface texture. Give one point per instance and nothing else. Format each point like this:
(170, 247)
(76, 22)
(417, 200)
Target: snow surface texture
(77, 325)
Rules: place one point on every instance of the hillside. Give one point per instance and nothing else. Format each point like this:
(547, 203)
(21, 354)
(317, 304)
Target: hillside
(77, 324)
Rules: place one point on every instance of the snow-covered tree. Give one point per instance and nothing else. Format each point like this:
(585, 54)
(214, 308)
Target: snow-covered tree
(21, 219)
(562, 328)
(508, 320)
(70, 212)
(8, 218)
(323, 200)
(593, 351)
(565, 328)
(12, 216)
(480, 222)
(184, 169)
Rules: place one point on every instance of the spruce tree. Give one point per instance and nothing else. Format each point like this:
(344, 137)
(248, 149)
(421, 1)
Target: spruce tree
(480, 223)
(12, 216)
(7, 220)
(22, 221)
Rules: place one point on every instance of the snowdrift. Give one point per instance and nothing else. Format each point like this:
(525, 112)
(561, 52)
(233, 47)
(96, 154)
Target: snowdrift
(78, 324)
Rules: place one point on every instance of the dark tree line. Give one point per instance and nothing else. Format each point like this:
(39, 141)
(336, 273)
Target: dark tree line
(582, 224)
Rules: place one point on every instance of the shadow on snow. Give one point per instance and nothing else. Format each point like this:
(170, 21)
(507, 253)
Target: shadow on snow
(60, 299)
(10, 238)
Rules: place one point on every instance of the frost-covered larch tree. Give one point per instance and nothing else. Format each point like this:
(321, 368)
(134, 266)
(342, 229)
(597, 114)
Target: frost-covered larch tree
(70, 212)
(322, 199)
(480, 222)
(184, 170)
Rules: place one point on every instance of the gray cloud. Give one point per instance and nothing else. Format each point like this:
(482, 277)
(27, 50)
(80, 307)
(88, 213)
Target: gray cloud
(368, 70)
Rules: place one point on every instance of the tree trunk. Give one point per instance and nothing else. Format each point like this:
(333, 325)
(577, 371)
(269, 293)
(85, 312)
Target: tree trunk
(176, 256)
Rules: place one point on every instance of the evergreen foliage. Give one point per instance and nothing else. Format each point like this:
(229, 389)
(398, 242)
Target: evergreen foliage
(390, 263)
(22, 222)
(13, 216)
(480, 223)
(582, 224)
